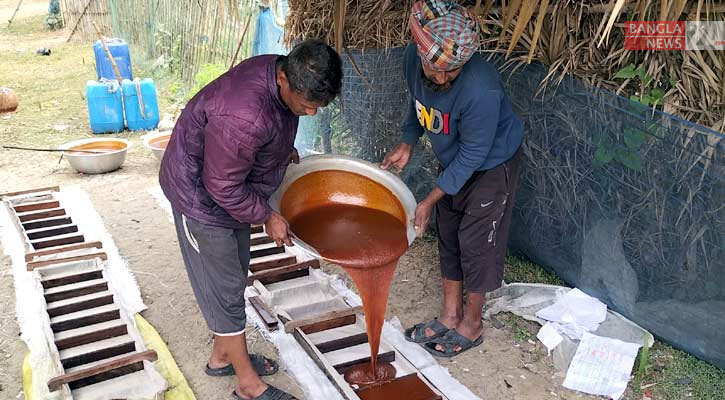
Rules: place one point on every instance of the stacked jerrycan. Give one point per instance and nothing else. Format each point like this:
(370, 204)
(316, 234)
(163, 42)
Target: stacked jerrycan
(109, 100)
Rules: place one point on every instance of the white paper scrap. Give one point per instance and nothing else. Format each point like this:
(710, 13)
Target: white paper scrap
(576, 312)
(601, 366)
(549, 336)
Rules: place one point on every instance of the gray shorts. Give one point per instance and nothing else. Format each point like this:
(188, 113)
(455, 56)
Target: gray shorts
(217, 262)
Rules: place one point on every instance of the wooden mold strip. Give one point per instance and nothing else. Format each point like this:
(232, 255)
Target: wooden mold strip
(266, 251)
(256, 241)
(104, 371)
(69, 279)
(342, 343)
(323, 322)
(47, 222)
(92, 337)
(62, 249)
(43, 189)
(257, 229)
(57, 295)
(269, 320)
(41, 233)
(80, 306)
(36, 215)
(35, 206)
(272, 262)
(337, 380)
(270, 273)
(44, 263)
(85, 321)
(98, 355)
(386, 357)
(57, 241)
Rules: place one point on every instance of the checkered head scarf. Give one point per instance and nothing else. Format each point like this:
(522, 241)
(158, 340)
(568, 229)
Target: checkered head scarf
(445, 32)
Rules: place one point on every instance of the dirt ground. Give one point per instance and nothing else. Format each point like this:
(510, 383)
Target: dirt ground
(509, 365)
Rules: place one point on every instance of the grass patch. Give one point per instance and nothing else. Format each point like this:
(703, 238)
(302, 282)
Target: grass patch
(520, 269)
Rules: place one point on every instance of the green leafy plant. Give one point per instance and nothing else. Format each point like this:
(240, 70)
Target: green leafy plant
(206, 74)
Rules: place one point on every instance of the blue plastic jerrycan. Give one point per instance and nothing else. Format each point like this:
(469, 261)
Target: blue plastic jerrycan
(121, 55)
(141, 103)
(105, 107)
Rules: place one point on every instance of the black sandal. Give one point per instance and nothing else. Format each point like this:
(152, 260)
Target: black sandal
(450, 342)
(272, 393)
(259, 362)
(416, 334)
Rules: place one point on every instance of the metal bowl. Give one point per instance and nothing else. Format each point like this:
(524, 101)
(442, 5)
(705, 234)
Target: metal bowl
(111, 154)
(389, 189)
(156, 142)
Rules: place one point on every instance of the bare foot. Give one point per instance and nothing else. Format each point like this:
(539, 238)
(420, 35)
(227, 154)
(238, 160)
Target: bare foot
(251, 391)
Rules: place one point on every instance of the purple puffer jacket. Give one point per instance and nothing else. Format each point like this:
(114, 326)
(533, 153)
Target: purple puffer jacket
(230, 147)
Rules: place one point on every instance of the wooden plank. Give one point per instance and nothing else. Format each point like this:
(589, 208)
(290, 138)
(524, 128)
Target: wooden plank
(85, 321)
(330, 324)
(280, 262)
(285, 276)
(56, 241)
(260, 240)
(386, 357)
(105, 376)
(35, 215)
(266, 252)
(43, 189)
(52, 231)
(44, 263)
(68, 279)
(98, 355)
(341, 386)
(117, 364)
(314, 263)
(63, 249)
(342, 343)
(67, 294)
(257, 229)
(47, 223)
(43, 205)
(308, 325)
(95, 336)
(269, 320)
(80, 306)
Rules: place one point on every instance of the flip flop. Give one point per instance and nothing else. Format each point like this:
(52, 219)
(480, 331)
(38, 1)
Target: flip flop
(259, 362)
(272, 393)
(450, 341)
(416, 334)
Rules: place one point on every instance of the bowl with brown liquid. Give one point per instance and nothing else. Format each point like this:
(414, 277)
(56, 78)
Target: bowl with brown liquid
(96, 156)
(355, 191)
(157, 142)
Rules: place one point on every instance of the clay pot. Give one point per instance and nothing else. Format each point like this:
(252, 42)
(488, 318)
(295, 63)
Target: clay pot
(8, 100)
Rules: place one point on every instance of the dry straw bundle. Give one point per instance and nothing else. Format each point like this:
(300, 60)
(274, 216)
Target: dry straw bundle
(581, 38)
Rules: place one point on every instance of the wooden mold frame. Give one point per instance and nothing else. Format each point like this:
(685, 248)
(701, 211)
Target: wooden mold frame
(330, 330)
(92, 340)
(341, 346)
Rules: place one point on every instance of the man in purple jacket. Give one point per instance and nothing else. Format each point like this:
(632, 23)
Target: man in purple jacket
(228, 153)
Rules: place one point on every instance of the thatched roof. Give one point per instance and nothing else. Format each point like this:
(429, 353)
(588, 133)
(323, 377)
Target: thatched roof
(582, 38)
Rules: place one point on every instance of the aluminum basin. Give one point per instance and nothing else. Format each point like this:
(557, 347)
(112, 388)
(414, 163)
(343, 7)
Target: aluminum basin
(358, 183)
(112, 154)
(157, 142)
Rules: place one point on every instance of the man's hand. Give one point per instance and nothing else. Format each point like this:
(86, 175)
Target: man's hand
(424, 210)
(397, 158)
(295, 156)
(277, 228)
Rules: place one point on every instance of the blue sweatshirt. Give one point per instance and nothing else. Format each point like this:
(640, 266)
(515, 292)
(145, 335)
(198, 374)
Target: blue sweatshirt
(471, 126)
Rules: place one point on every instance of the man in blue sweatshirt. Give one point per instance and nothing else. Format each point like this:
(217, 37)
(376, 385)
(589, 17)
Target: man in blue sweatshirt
(458, 100)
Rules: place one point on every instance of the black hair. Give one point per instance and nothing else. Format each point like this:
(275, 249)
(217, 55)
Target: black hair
(314, 69)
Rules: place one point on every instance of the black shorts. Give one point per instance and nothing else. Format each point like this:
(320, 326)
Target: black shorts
(473, 227)
(217, 262)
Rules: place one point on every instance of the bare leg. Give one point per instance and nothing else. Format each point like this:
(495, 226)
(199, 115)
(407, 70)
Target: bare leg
(452, 312)
(233, 349)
